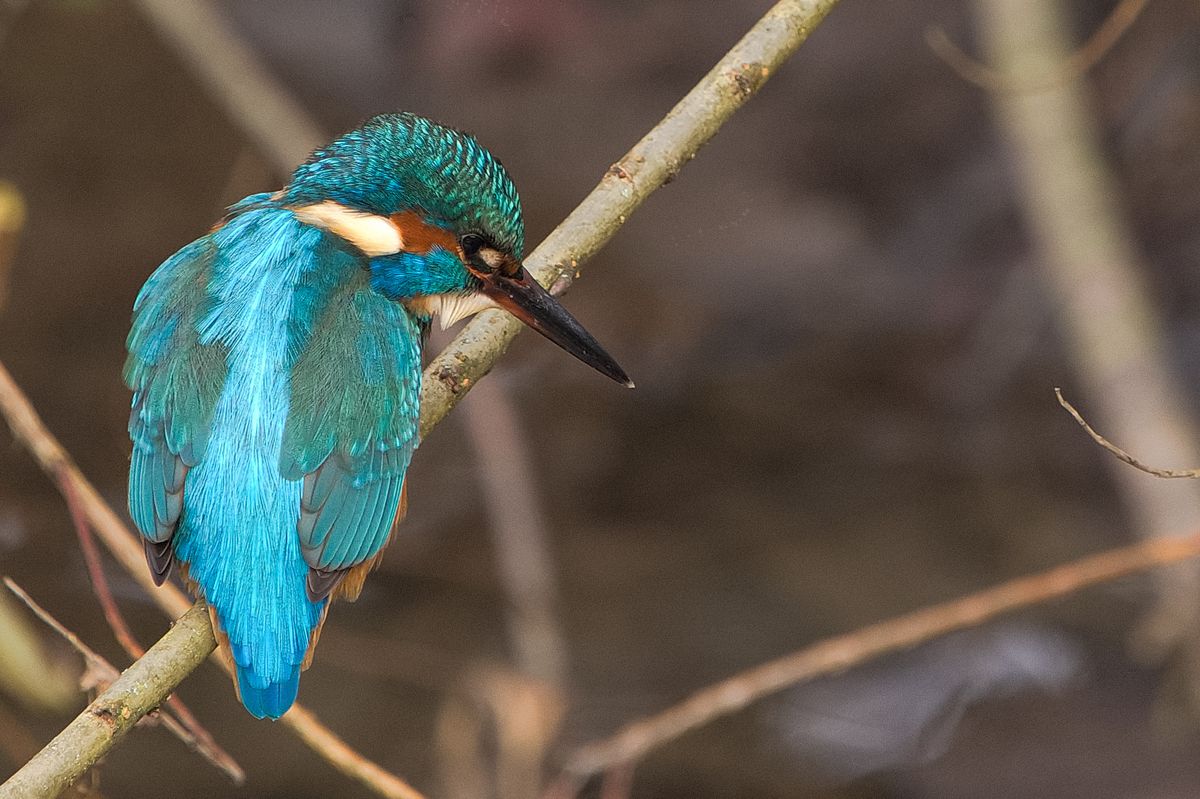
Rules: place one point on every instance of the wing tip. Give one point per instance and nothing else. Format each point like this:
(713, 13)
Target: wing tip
(320, 583)
(160, 556)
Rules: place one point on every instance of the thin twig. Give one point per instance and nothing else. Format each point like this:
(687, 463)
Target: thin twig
(28, 671)
(1121, 454)
(101, 672)
(842, 652)
(140, 689)
(1076, 65)
(95, 663)
(1109, 319)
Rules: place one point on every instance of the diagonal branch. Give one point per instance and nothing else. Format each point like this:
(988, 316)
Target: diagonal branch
(31, 432)
(189, 727)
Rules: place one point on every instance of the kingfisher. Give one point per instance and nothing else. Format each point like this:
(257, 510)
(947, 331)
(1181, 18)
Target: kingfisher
(275, 365)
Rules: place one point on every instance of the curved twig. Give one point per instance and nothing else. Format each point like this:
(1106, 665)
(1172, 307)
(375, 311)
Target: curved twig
(1121, 454)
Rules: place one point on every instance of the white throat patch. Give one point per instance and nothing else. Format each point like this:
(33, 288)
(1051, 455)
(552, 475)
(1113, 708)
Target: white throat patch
(450, 308)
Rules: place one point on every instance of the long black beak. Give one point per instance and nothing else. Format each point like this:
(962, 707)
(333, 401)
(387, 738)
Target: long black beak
(524, 298)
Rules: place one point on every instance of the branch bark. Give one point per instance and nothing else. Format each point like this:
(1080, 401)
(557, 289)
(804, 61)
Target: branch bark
(140, 688)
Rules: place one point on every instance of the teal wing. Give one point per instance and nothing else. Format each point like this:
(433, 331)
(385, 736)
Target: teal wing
(352, 425)
(176, 381)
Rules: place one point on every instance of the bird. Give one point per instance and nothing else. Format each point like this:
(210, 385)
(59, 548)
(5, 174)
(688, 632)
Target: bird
(275, 366)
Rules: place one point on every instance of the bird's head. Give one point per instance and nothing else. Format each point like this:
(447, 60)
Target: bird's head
(439, 220)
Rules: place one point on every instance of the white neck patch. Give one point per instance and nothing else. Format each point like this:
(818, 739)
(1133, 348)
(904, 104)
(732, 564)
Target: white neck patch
(374, 235)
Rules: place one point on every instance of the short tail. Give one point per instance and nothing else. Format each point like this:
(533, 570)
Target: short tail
(264, 699)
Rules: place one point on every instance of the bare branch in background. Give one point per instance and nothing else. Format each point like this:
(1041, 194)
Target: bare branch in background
(842, 652)
(192, 732)
(99, 670)
(273, 121)
(27, 673)
(91, 558)
(1072, 68)
(136, 692)
(527, 708)
(519, 532)
(525, 715)
(1121, 454)
(1110, 325)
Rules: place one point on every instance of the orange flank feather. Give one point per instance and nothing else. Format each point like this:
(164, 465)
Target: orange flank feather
(352, 584)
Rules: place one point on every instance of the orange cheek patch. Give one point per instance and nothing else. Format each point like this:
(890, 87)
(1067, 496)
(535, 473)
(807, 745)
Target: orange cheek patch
(421, 237)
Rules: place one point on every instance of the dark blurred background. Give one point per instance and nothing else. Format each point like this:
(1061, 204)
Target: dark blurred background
(844, 355)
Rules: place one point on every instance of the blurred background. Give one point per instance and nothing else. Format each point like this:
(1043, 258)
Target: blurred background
(845, 319)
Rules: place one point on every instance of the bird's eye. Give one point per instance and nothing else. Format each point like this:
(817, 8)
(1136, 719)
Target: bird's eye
(471, 243)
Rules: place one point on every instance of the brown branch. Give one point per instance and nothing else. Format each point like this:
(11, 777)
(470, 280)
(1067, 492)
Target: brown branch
(95, 663)
(1076, 65)
(91, 558)
(842, 652)
(520, 536)
(28, 671)
(140, 689)
(1119, 453)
